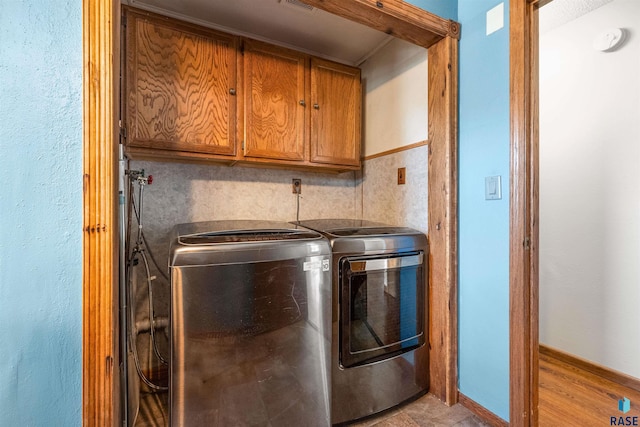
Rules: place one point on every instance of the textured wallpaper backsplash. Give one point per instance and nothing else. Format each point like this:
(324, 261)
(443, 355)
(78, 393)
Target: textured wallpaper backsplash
(189, 192)
(383, 200)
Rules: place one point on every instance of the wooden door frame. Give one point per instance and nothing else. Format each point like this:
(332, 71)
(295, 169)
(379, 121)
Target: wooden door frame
(443, 219)
(101, 71)
(100, 364)
(524, 213)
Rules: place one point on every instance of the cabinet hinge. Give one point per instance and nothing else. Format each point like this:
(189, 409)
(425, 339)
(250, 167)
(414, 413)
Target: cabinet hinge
(242, 145)
(527, 243)
(123, 133)
(241, 47)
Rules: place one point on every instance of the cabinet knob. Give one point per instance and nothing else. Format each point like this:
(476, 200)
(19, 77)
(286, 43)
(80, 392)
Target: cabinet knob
(302, 102)
(316, 106)
(232, 91)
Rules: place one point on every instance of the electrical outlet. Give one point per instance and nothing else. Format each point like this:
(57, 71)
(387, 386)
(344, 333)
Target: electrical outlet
(402, 175)
(296, 184)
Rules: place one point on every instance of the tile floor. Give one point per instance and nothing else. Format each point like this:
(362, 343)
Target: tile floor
(426, 411)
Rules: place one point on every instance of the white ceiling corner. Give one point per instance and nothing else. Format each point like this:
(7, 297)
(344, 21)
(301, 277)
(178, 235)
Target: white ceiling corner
(560, 12)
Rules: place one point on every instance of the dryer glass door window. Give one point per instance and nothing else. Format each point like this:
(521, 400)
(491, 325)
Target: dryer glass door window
(382, 310)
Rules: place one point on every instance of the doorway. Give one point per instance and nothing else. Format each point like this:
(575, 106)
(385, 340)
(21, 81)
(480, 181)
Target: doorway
(589, 216)
(524, 242)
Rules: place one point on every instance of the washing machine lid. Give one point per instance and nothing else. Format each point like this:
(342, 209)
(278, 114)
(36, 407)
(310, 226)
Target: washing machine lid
(239, 231)
(242, 242)
(342, 227)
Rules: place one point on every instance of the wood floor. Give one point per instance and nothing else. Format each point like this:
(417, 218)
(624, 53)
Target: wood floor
(571, 396)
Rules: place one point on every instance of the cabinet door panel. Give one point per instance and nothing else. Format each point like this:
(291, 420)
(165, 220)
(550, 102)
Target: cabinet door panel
(274, 115)
(336, 98)
(179, 84)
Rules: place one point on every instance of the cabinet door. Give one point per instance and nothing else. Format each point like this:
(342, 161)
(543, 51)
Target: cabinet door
(274, 103)
(336, 101)
(180, 87)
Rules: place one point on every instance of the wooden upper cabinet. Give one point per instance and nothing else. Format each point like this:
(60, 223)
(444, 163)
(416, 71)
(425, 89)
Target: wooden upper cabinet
(274, 103)
(180, 86)
(191, 92)
(336, 103)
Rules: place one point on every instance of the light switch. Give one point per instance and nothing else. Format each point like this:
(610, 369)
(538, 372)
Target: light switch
(495, 19)
(493, 188)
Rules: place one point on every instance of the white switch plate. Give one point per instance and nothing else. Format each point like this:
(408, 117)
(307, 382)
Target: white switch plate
(493, 188)
(495, 19)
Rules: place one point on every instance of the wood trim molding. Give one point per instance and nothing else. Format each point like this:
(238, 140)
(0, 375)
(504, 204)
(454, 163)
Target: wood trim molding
(540, 3)
(397, 150)
(481, 412)
(523, 263)
(443, 219)
(100, 381)
(594, 368)
(394, 17)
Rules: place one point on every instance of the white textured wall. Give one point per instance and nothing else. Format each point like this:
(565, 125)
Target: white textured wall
(395, 97)
(590, 190)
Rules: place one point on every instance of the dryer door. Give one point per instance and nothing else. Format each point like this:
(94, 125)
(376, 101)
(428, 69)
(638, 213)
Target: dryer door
(382, 308)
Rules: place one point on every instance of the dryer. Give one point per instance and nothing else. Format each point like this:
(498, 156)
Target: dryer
(379, 353)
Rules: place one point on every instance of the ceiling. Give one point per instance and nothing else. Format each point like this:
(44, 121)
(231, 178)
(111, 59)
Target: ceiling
(559, 12)
(288, 23)
(293, 24)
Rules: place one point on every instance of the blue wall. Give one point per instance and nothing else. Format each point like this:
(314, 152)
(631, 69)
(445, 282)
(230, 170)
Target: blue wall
(483, 224)
(40, 213)
(483, 256)
(444, 8)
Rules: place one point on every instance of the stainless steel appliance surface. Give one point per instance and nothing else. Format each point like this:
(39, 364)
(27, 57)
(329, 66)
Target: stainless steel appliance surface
(250, 325)
(379, 329)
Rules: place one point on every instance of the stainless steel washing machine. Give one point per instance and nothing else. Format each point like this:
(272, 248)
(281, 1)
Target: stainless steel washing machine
(379, 323)
(250, 325)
